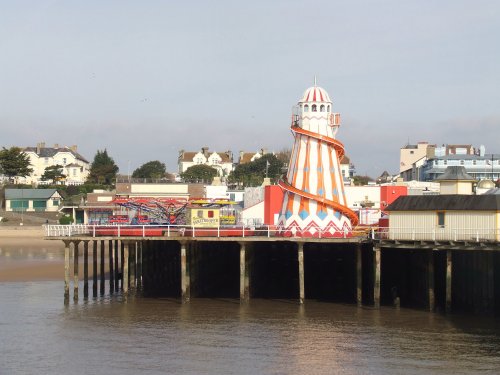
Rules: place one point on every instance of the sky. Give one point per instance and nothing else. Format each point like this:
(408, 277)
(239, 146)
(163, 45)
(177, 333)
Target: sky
(145, 79)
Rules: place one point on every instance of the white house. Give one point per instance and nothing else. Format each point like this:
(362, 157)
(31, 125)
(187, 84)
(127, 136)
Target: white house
(445, 218)
(32, 200)
(221, 161)
(75, 166)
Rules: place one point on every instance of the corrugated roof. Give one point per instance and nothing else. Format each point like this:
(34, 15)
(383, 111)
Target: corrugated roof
(29, 193)
(446, 202)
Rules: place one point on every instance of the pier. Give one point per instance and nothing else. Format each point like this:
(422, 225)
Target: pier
(367, 270)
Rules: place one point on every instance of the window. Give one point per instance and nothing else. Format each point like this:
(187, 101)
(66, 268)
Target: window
(440, 219)
(306, 108)
(74, 172)
(313, 108)
(46, 160)
(210, 214)
(412, 152)
(461, 162)
(199, 213)
(64, 161)
(328, 108)
(322, 108)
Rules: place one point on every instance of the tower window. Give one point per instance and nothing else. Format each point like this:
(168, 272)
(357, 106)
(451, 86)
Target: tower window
(328, 108)
(322, 108)
(313, 108)
(306, 108)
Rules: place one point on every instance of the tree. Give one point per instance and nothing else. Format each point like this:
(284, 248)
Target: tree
(253, 173)
(361, 180)
(53, 173)
(103, 169)
(200, 172)
(14, 162)
(152, 169)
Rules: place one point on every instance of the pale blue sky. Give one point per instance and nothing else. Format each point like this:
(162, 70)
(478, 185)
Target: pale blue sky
(145, 79)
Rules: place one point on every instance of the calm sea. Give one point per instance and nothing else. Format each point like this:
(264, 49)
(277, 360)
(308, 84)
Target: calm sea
(39, 335)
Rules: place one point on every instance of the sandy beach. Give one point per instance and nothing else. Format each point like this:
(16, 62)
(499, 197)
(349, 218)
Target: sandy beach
(26, 256)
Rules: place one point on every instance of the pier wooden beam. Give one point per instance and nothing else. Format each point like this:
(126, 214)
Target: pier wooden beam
(103, 275)
(376, 273)
(85, 269)
(66, 271)
(94, 268)
(122, 255)
(185, 280)
(132, 264)
(139, 265)
(430, 281)
(244, 274)
(76, 256)
(359, 276)
(449, 270)
(117, 271)
(300, 257)
(111, 268)
(125, 249)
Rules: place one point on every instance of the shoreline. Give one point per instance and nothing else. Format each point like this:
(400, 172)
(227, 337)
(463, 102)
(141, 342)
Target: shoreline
(26, 256)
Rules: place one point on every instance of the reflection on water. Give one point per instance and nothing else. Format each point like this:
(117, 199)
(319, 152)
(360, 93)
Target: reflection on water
(209, 336)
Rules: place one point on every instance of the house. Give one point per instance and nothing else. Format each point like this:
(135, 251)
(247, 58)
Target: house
(74, 166)
(221, 161)
(247, 157)
(445, 217)
(32, 200)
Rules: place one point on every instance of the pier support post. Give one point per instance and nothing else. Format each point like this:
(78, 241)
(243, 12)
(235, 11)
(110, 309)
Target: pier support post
(132, 264)
(300, 256)
(111, 273)
(76, 256)
(185, 281)
(244, 274)
(139, 265)
(125, 280)
(85, 269)
(103, 275)
(449, 270)
(430, 280)
(376, 283)
(117, 271)
(122, 255)
(359, 276)
(66, 271)
(94, 268)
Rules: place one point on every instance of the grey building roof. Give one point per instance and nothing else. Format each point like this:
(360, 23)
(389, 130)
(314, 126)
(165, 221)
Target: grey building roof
(446, 202)
(48, 152)
(455, 173)
(29, 193)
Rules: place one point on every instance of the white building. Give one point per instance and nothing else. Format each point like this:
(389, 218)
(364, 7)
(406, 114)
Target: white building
(221, 161)
(75, 166)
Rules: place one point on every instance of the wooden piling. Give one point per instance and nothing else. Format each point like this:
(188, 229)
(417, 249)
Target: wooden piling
(94, 268)
(125, 280)
(66, 271)
(132, 263)
(185, 282)
(359, 276)
(85, 269)
(103, 275)
(430, 280)
(300, 257)
(122, 255)
(117, 272)
(244, 275)
(76, 257)
(111, 273)
(449, 270)
(376, 283)
(139, 265)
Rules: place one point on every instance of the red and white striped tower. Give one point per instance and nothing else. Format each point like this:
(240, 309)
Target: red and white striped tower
(314, 203)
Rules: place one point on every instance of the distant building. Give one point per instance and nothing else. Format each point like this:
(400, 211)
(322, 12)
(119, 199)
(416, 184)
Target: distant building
(247, 157)
(74, 166)
(32, 200)
(221, 161)
(411, 157)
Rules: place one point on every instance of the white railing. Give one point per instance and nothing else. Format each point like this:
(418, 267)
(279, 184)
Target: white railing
(187, 231)
(437, 234)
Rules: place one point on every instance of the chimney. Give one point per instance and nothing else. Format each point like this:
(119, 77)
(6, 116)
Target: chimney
(204, 150)
(241, 155)
(181, 154)
(229, 155)
(73, 148)
(56, 145)
(38, 148)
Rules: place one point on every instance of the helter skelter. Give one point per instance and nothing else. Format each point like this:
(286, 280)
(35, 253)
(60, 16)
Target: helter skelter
(314, 203)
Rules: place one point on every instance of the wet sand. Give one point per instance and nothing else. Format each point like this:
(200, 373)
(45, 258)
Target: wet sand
(26, 256)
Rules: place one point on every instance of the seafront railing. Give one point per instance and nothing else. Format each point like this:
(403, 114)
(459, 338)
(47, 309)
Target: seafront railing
(127, 230)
